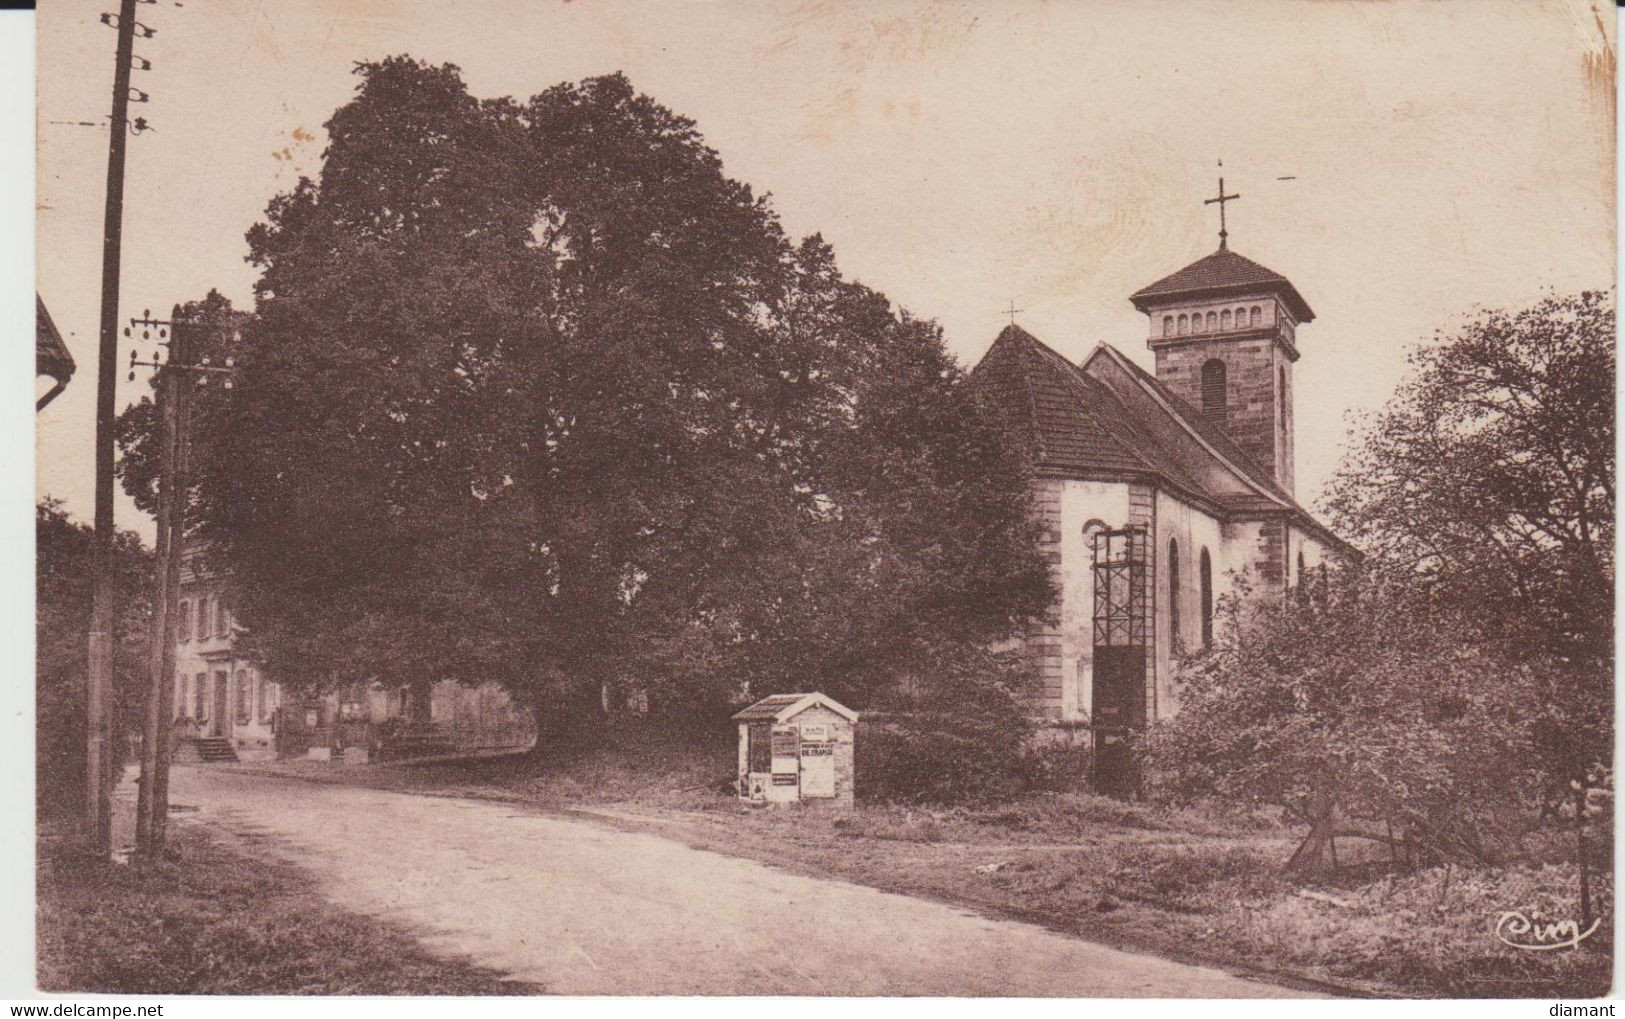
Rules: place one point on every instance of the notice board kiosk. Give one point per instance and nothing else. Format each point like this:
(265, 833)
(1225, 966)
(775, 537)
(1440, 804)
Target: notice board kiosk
(795, 747)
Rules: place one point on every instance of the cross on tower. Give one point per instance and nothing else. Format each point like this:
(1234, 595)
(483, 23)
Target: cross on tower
(1013, 311)
(1224, 234)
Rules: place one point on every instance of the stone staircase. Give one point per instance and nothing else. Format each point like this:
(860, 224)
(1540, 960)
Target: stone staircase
(206, 750)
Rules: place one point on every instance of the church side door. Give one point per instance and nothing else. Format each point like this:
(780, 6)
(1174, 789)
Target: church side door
(1119, 713)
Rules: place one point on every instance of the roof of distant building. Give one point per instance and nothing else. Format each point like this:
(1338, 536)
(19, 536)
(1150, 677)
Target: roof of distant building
(51, 356)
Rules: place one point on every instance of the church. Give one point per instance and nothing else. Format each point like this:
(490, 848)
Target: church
(1159, 493)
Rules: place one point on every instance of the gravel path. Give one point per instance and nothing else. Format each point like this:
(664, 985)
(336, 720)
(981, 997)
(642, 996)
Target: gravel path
(584, 909)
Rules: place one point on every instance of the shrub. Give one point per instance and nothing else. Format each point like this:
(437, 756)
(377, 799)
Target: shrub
(966, 738)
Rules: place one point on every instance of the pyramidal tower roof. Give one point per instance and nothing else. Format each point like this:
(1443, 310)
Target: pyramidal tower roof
(1221, 274)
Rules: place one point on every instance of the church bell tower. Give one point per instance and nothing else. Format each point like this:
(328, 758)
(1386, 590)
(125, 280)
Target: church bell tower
(1224, 332)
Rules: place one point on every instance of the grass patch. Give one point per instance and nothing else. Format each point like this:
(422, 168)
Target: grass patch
(213, 919)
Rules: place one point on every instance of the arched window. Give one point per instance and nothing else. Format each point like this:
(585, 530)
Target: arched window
(1173, 592)
(183, 622)
(1224, 319)
(1167, 325)
(1213, 389)
(1196, 323)
(1257, 315)
(1184, 324)
(1205, 576)
(1212, 321)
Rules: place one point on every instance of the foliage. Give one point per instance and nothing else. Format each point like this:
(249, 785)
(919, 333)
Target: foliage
(534, 392)
(63, 554)
(1364, 706)
(961, 737)
(1490, 477)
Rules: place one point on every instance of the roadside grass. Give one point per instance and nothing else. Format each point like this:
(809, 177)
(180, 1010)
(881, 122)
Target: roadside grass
(1203, 886)
(214, 919)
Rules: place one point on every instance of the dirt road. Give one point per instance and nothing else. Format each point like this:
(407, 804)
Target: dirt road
(585, 909)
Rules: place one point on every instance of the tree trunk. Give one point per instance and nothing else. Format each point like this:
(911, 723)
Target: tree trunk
(1580, 851)
(1315, 857)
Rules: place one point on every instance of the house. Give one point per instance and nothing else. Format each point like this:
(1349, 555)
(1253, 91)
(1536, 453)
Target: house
(1159, 492)
(228, 708)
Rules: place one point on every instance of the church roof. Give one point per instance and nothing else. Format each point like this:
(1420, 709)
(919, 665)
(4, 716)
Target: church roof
(1094, 421)
(1073, 421)
(1221, 273)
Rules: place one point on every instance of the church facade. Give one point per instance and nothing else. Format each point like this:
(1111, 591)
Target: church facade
(1160, 493)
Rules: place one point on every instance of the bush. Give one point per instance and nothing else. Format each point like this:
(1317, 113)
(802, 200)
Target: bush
(966, 739)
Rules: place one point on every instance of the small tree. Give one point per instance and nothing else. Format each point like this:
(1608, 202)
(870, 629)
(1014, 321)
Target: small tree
(1364, 708)
(63, 552)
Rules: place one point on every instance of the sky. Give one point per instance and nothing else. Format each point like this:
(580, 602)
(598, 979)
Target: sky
(1446, 155)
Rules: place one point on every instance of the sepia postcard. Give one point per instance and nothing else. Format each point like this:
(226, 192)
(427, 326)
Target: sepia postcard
(1016, 498)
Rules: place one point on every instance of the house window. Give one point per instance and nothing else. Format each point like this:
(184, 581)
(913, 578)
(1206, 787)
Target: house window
(182, 701)
(1196, 323)
(222, 625)
(1173, 592)
(201, 692)
(1212, 321)
(1213, 390)
(183, 623)
(268, 692)
(1301, 567)
(1257, 315)
(1206, 578)
(1224, 319)
(243, 694)
(1184, 324)
(202, 618)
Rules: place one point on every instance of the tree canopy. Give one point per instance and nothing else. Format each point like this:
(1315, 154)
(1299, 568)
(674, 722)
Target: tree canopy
(1467, 660)
(534, 392)
(1365, 708)
(1489, 479)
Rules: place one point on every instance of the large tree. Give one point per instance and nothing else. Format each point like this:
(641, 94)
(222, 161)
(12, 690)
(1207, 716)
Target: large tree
(535, 392)
(1489, 477)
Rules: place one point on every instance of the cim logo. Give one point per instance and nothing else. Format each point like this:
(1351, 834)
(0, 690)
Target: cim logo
(1534, 933)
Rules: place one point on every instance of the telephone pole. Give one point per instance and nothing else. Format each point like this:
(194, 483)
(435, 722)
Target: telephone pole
(152, 806)
(176, 375)
(98, 755)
